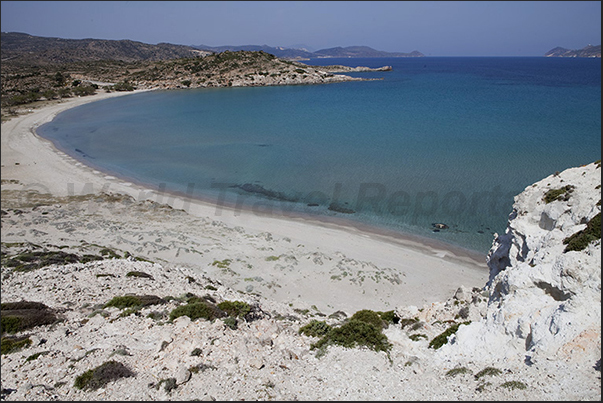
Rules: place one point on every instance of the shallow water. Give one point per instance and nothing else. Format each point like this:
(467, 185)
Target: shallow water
(437, 140)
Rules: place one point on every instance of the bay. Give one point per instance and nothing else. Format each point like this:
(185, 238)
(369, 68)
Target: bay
(435, 140)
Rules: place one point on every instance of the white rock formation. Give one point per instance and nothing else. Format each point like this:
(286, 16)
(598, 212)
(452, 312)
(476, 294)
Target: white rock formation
(543, 302)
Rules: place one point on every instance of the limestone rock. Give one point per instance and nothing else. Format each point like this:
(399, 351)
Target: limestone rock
(544, 302)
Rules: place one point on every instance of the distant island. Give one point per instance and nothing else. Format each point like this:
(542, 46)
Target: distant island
(588, 51)
(304, 54)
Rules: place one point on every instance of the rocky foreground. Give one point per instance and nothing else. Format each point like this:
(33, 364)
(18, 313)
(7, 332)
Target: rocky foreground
(532, 332)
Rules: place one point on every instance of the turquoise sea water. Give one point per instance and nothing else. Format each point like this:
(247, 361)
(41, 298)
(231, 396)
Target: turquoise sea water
(437, 140)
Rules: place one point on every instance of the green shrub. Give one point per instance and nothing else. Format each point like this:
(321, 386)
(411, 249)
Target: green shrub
(581, 239)
(235, 308)
(134, 301)
(126, 301)
(355, 333)
(408, 321)
(140, 274)
(389, 317)
(458, 371)
(488, 371)
(103, 374)
(130, 311)
(36, 355)
(513, 385)
(417, 336)
(18, 316)
(123, 86)
(10, 324)
(231, 322)
(315, 328)
(109, 253)
(222, 264)
(368, 316)
(442, 338)
(13, 344)
(156, 315)
(84, 90)
(562, 194)
(35, 260)
(201, 367)
(197, 310)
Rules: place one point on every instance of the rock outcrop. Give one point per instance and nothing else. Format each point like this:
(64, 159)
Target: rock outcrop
(544, 300)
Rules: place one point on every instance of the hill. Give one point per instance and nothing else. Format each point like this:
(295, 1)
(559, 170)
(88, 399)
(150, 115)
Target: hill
(361, 51)
(25, 49)
(588, 51)
(35, 68)
(285, 53)
(299, 54)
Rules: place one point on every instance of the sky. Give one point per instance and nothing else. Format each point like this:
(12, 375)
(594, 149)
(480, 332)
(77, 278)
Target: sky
(434, 28)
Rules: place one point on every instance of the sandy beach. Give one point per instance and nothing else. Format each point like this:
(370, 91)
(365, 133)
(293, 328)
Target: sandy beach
(289, 271)
(291, 260)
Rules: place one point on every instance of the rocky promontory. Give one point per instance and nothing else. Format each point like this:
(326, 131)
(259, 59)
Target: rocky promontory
(24, 84)
(545, 278)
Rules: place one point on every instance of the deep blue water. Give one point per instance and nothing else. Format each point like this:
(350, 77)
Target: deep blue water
(437, 140)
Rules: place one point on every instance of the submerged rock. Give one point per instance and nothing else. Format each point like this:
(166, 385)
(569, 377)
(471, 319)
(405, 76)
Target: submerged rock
(340, 209)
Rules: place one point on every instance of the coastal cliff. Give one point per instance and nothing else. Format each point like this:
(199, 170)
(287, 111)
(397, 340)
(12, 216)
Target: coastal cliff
(545, 278)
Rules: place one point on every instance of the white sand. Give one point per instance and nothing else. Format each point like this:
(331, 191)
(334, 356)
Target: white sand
(292, 264)
(313, 256)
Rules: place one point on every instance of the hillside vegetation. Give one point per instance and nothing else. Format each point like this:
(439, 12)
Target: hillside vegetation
(35, 69)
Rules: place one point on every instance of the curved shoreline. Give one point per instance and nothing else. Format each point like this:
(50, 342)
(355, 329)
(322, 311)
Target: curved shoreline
(418, 242)
(433, 269)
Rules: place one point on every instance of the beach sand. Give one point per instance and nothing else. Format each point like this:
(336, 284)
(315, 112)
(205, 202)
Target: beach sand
(294, 260)
(291, 270)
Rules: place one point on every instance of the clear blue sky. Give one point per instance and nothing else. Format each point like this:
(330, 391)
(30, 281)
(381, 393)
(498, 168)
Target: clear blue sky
(446, 28)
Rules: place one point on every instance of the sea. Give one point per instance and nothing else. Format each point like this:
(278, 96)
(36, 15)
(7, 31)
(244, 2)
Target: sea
(436, 148)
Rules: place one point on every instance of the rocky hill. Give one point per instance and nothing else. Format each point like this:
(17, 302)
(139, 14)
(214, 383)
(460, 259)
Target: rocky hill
(362, 51)
(588, 51)
(23, 49)
(301, 54)
(228, 69)
(281, 52)
(35, 68)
